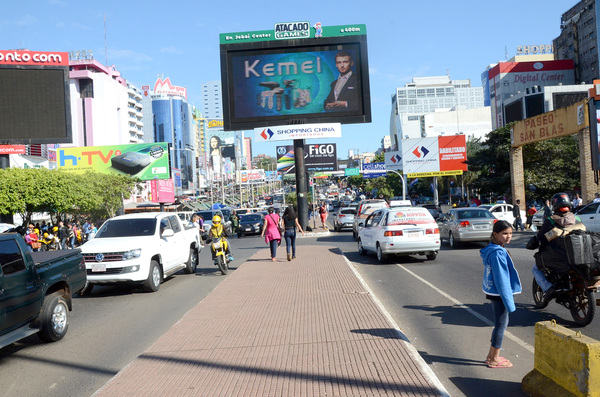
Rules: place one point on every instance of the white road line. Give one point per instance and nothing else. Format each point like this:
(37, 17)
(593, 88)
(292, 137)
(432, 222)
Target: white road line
(509, 335)
(411, 348)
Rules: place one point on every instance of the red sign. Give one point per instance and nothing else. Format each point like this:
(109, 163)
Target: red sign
(453, 153)
(43, 58)
(12, 149)
(165, 87)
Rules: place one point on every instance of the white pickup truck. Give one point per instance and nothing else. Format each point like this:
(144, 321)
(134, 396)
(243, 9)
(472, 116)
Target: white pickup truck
(142, 248)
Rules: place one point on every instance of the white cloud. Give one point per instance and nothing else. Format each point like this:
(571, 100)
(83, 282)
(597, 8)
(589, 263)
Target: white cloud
(26, 20)
(171, 50)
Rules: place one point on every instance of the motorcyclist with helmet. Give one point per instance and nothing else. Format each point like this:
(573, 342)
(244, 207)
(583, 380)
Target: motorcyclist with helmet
(217, 230)
(562, 217)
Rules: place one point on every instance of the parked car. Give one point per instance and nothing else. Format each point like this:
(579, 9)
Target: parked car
(502, 211)
(434, 210)
(472, 224)
(400, 231)
(142, 248)
(251, 223)
(36, 290)
(364, 209)
(590, 216)
(343, 218)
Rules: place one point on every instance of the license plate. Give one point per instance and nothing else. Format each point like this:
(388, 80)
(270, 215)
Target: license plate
(98, 267)
(414, 234)
(481, 227)
(247, 229)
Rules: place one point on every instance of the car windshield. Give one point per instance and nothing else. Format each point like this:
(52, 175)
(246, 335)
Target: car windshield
(127, 228)
(250, 218)
(474, 214)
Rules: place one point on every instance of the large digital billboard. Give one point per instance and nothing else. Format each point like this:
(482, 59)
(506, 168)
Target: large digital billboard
(319, 79)
(317, 158)
(35, 102)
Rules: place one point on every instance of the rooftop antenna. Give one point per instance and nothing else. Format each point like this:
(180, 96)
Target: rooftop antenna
(105, 46)
(505, 53)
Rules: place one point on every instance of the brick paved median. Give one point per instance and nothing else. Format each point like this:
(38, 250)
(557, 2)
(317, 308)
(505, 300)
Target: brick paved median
(302, 328)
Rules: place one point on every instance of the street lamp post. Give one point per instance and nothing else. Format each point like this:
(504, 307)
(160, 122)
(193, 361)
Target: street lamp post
(403, 183)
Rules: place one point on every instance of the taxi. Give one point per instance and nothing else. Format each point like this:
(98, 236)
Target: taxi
(400, 231)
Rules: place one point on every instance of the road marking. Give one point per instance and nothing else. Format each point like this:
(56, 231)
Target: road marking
(411, 348)
(509, 335)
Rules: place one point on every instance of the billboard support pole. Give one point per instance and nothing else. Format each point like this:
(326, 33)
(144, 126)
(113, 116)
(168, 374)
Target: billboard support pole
(301, 186)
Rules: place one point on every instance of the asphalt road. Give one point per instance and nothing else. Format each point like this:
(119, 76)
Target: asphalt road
(437, 304)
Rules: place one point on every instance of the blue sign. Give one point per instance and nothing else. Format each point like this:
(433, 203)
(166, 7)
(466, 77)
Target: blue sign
(373, 170)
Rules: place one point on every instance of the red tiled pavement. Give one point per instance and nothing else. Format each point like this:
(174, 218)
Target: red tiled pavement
(302, 328)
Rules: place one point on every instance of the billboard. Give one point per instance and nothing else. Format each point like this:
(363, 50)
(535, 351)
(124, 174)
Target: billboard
(145, 161)
(437, 156)
(35, 105)
(317, 158)
(270, 78)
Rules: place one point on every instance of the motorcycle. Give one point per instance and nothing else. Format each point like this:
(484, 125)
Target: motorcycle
(572, 290)
(219, 246)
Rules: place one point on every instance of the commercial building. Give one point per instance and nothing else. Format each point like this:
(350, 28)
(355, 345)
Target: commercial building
(426, 95)
(578, 40)
(525, 77)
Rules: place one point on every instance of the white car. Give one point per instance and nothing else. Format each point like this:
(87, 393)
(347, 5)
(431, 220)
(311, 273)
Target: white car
(400, 231)
(142, 248)
(503, 212)
(590, 216)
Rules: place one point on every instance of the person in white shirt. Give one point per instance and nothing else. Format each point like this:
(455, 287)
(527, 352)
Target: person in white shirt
(577, 201)
(597, 199)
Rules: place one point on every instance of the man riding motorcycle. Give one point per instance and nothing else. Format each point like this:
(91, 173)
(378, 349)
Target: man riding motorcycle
(562, 218)
(217, 230)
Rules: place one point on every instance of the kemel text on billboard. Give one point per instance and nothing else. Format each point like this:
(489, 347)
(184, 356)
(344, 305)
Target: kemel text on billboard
(437, 156)
(295, 74)
(145, 161)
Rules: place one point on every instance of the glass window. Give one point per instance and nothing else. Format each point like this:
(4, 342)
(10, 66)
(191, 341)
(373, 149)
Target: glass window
(590, 209)
(11, 258)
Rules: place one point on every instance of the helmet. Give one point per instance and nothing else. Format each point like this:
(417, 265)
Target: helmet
(559, 201)
(45, 235)
(216, 220)
(55, 229)
(36, 231)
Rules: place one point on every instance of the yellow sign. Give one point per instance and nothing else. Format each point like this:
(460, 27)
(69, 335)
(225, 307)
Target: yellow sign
(560, 122)
(436, 173)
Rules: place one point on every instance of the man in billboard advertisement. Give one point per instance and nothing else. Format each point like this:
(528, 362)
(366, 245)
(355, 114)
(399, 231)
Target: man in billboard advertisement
(289, 83)
(344, 90)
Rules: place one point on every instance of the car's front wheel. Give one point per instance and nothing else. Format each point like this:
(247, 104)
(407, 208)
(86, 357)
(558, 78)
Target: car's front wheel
(152, 284)
(361, 249)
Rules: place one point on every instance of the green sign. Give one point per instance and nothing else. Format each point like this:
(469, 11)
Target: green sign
(351, 171)
(294, 30)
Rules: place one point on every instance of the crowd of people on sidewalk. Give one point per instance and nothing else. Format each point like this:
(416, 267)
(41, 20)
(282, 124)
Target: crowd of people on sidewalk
(60, 236)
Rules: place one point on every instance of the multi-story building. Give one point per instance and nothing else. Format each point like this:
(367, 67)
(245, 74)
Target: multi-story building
(578, 40)
(212, 104)
(105, 108)
(525, 77)
(425, 95)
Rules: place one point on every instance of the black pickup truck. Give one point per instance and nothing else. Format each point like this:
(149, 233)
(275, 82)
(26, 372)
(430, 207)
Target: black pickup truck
(36, 290)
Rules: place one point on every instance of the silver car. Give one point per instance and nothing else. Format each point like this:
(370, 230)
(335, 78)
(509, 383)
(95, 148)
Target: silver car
(343, 218)
(466, 224)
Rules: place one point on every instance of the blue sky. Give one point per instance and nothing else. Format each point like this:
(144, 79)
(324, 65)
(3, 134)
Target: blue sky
(180, 39)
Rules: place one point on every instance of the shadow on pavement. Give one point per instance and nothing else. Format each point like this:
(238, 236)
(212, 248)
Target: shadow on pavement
(487, 387)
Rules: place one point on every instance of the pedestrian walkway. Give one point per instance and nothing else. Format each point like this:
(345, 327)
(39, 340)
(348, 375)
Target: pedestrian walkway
(308, 327)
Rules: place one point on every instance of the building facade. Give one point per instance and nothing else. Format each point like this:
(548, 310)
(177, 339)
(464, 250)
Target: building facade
(578, 40)
(426, 95)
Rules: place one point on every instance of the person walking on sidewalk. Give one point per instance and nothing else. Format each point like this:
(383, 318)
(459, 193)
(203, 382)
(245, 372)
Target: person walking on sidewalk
(271, 232)
(290, 224)
(323, 214)
(500, 282)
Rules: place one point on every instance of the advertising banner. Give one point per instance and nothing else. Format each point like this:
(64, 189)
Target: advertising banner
(436, 156)
(300, 131)
(12, 149)
(145, 161)
(163, 190)
(373, 170)
(351, 171)
(393, 161)
(255, 175)
(317, 158)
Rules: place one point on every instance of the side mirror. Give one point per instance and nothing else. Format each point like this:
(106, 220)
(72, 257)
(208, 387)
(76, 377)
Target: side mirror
(168, 233)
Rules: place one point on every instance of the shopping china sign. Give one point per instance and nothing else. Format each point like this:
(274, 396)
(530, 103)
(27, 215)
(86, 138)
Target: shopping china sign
(439, 156)
(300, 131)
